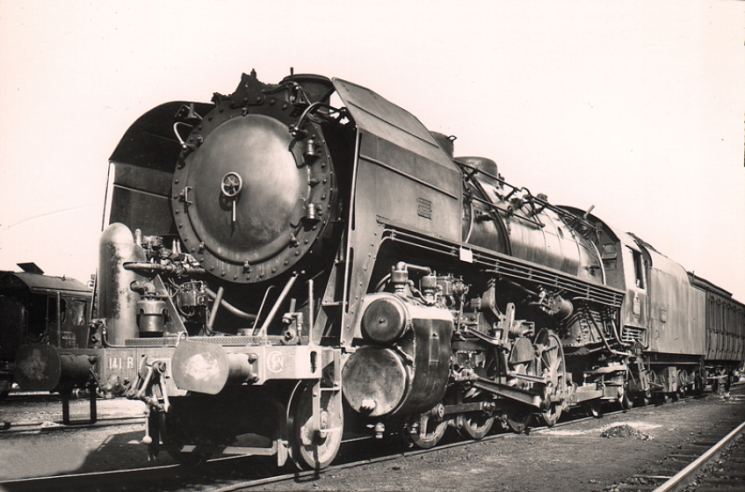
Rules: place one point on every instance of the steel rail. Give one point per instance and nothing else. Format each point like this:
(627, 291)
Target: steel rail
(7, 428)
(73, 476)
(683, 477)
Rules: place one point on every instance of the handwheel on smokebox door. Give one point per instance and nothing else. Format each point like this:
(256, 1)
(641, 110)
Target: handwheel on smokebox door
(423, 431)
(312, 448)
(550, 362)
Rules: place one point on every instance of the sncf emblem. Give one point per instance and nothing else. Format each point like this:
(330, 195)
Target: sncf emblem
(275, 362)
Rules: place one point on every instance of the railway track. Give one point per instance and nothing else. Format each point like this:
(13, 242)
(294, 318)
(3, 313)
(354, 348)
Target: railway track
(720, 467)
(44, 411)
(46, 426)
(702, 465)
(149, 478)
(212, 477)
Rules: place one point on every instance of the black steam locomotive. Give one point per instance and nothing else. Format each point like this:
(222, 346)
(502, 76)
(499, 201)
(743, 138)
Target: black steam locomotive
(37, 311)
(297, 259)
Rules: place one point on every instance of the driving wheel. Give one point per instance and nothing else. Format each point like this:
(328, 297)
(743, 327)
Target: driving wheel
(550, 363)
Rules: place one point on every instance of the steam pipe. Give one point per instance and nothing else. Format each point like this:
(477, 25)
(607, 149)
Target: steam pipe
(215, 306)
(230, 308)
(145, 268)
(602, 335)
(275, 308)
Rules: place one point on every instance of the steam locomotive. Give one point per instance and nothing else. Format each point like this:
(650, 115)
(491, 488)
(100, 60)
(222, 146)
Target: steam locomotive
(299, 259)
(41, 310)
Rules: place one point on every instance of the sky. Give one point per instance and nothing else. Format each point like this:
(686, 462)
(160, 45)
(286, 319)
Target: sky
(635, 107)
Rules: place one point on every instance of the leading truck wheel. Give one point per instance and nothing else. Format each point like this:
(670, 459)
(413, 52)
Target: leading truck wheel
(312, 447)
(173, 439)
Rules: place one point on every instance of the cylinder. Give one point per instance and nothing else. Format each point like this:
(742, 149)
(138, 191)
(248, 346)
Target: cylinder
(117, 303)
(377, 381)
(407, 377)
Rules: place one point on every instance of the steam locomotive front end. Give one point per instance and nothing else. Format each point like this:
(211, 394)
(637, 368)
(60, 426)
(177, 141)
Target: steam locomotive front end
(254, 187)
(222, 221)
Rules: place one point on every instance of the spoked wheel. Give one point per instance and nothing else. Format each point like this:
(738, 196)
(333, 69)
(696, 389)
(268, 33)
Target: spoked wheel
(550, 359)
(315, 448)
(699, 382)
(517, 420)
(684, 380)
(647, 398)
(423, 431)
(477, 425)
(662, 381)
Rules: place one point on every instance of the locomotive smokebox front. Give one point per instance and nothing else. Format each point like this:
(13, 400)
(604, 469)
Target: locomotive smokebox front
(254, 188)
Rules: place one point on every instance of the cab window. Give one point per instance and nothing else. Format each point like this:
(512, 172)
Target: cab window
(638, 270)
